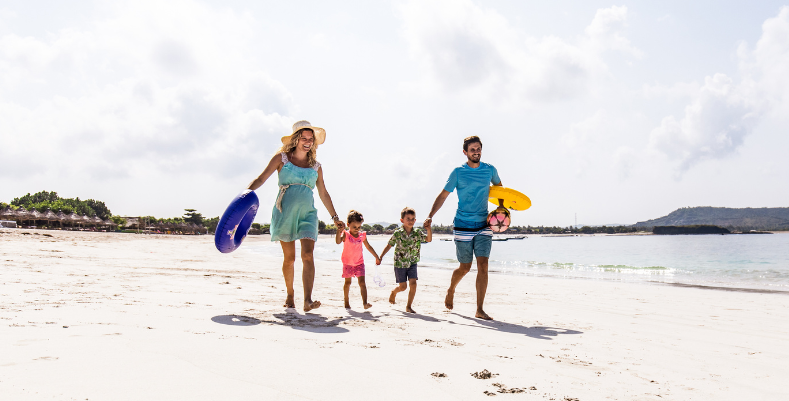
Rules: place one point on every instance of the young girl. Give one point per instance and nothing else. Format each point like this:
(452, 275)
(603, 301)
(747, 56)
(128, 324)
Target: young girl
(352, 255)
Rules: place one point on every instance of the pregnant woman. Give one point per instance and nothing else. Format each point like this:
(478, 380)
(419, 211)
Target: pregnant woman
(294, 216)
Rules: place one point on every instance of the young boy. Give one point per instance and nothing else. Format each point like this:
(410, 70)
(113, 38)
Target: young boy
(407, 241)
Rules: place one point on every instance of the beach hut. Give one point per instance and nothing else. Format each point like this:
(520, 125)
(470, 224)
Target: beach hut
(49, 216)
(73, 219)
(96, 221)
(108, 223)
(22, 215)
(34, 215)
(61, 217)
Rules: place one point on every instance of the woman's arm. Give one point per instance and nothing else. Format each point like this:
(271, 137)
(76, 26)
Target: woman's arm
(326, 199)
(370, 248)
(273, 165)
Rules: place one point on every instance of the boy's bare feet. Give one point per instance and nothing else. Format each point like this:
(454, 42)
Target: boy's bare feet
(368, 305)
(308, 306)
(450, 298)
(409, 310)
(482, 315)
(392, 297)
(289, 303)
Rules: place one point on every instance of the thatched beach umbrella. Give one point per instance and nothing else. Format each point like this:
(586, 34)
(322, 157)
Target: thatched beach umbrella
(22, 215)
(108, 223)
(96, 221)
(6, 212)
(49, 216)
(73, 218)
(61, 217)
(34, 215)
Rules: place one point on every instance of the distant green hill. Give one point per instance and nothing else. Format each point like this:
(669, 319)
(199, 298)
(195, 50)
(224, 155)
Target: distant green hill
(765, 218)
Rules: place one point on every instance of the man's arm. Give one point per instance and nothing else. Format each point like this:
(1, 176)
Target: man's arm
(437, 205)
(501, 201)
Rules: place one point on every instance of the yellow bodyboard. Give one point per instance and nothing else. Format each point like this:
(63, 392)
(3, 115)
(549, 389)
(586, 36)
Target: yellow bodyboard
(512, 199)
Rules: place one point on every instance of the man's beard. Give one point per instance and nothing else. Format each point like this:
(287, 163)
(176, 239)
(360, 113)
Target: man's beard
(474, 159)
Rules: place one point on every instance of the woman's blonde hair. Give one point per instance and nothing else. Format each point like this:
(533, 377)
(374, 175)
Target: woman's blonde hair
(312, 155)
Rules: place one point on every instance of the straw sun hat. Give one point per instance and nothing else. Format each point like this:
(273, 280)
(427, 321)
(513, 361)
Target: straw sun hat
(320, 133)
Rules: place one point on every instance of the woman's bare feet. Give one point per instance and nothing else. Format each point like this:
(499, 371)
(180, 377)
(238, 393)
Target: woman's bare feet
(308, 306)
(368, 305)
(289, 303)
(450, 298)
(482, 315)
(409, 309)
(392, 298)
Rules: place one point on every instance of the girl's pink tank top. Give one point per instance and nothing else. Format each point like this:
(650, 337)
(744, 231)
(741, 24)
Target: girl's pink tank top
(352, 249)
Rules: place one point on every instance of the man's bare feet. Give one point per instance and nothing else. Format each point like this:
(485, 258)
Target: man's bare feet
(308, 306)
(392, 298)
(289, 303)
(368, 305)
(409, 309)
(450, 298)
(482, 315)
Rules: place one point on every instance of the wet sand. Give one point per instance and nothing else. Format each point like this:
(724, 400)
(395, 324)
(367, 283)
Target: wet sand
(128, 317)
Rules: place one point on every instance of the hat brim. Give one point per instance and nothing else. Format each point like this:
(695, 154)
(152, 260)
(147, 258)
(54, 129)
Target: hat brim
(320, 135)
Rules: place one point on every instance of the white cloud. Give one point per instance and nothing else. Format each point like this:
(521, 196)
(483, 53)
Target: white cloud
(477, 52)
(724, 111)
(714, 125)
(154, 88)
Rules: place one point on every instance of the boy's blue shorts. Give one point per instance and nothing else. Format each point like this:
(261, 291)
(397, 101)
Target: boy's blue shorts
(403, 274)
(479, 246)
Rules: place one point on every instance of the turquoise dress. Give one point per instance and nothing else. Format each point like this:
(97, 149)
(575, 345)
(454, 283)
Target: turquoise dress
(294, 216)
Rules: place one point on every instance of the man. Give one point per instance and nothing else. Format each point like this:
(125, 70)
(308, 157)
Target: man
(473, 237)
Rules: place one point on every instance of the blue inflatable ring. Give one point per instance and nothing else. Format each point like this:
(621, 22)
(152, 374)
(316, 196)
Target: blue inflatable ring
(235, 223)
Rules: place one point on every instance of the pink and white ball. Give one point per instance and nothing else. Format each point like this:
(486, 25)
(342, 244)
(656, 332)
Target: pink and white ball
(499, 221)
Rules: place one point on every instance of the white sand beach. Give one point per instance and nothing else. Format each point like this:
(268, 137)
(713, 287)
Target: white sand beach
(98, 316)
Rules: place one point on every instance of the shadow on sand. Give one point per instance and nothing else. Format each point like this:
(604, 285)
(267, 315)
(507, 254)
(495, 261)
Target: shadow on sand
(311, 322)
(235, 320)
(538, 332)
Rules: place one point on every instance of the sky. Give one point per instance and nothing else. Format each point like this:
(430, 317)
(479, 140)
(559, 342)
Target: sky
(617, 112)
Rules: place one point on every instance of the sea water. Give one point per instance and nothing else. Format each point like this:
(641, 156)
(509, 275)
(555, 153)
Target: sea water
(755, 261)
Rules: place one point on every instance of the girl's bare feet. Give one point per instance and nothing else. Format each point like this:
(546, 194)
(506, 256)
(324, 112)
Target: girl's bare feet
(310, 305)
(347, 304)
(289, 303)
(368, 306)
(409, 310)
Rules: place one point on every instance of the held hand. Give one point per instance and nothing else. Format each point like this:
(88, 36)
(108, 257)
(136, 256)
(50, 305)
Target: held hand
(428, 222)
(340, 225)
(377, 260)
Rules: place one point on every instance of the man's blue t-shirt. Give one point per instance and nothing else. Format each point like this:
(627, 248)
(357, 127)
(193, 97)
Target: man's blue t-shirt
(473, 186)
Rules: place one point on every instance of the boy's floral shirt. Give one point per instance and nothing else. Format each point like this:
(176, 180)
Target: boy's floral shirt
(407, 246)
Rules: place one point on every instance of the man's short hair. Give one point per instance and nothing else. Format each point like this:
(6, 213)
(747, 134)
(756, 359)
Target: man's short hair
(353, 215)
(469, 141)
(407, 210)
